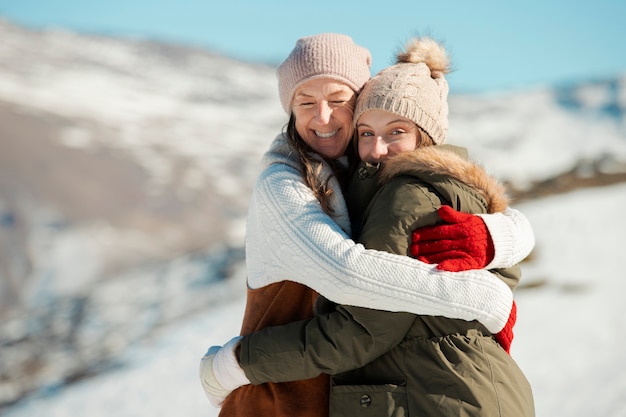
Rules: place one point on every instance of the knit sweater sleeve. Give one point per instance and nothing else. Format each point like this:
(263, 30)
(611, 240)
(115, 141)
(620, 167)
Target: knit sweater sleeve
(512, 236)
(289, 237)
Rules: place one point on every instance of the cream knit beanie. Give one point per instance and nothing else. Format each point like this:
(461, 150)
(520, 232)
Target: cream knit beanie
(414, 88)
(327, 55)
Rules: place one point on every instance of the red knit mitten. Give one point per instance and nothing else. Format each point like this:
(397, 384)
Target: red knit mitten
(461, 243)
(505, 336)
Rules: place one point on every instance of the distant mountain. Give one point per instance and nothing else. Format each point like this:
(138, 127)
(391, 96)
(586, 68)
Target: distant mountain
(126, 167)
(583, 128)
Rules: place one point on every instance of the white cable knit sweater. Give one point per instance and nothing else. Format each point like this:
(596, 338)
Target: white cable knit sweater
(289, 237)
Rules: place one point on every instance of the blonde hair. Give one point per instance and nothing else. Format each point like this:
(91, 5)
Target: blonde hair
(424, 138)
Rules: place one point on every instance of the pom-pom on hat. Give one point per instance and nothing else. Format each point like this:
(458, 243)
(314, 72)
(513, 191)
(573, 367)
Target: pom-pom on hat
(414, 88)
(328, 55)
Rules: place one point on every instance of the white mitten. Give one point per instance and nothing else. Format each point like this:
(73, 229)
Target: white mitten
(220, 372)
(214, 391)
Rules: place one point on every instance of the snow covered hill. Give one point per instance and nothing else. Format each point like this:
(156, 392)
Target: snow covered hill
(126, 167)
(125, 171)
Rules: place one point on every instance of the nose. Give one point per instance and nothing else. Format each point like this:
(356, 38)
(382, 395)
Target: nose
(323, 112)
(379, 149)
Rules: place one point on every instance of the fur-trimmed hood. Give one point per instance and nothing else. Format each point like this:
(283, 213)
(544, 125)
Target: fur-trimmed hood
(447, 160)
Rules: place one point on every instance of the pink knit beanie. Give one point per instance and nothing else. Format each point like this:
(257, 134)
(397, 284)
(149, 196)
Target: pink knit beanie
(414, 88)
(328, 55)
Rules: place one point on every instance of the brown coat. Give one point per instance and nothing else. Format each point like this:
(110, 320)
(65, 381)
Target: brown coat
(273, 305)
(281, 303)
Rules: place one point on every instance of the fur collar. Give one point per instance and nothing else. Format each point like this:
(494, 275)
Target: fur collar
(445, 160)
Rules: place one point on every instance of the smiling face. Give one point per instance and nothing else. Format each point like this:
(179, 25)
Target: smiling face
(381, 134)
(323, 110)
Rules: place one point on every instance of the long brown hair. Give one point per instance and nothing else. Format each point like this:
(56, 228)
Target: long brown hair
(311, 169)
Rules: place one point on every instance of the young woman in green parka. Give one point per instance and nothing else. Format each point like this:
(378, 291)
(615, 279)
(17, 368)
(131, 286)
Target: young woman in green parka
(401, 364)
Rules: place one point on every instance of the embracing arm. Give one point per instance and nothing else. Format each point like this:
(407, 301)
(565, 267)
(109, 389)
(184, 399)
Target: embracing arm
(468, 241)
(345, 339)
(289, 237)
(512, 235)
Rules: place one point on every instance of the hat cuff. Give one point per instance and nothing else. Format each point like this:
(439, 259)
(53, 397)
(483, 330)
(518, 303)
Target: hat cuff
(407, 109)
(287, 104)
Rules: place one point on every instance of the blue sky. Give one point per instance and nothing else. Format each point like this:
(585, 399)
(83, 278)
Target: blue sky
(495, 45)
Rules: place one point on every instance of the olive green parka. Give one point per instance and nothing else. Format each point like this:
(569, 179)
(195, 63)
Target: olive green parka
(401, 364)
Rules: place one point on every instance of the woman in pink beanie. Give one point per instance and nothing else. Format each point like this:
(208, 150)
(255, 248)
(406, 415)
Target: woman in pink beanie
(298, 238)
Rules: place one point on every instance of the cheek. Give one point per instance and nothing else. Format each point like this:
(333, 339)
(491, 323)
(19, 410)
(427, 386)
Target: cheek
(343, 116)
(301, 126)
(403, 146)
(365, 149)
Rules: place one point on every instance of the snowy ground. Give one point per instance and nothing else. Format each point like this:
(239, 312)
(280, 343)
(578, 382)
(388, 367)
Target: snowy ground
(569, 335)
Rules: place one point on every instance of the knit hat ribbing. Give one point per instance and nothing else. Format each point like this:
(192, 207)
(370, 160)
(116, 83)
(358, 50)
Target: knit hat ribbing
(414, 88)
(328, 55)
